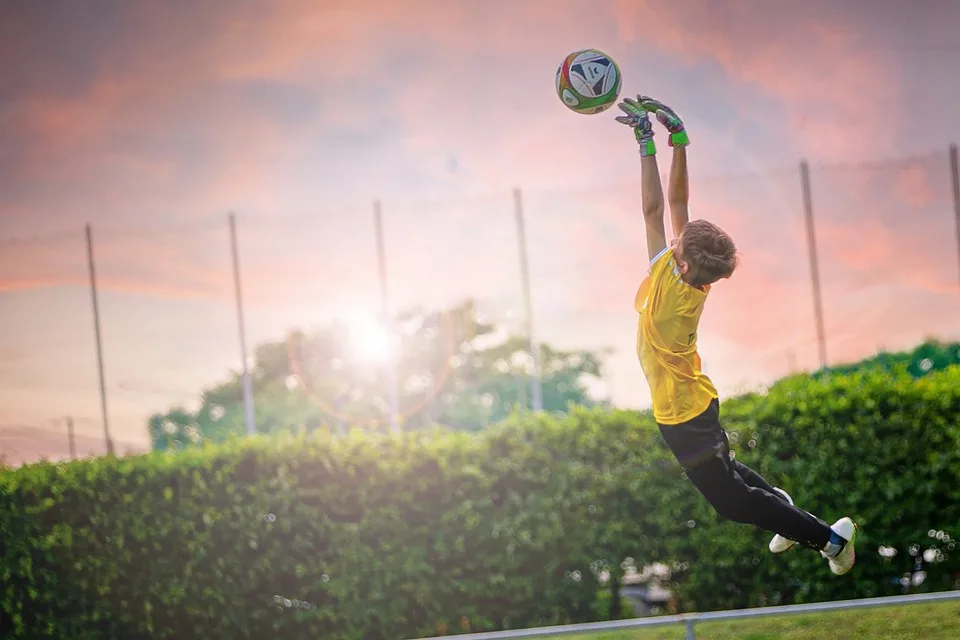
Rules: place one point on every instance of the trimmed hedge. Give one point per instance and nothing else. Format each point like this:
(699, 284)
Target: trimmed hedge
(420, 534)
(353, 538)
(930, 356)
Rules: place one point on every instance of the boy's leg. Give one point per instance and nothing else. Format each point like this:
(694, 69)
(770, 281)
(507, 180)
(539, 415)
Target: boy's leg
(753, 479)
(778, 544)
(735, 500)
(701, 447)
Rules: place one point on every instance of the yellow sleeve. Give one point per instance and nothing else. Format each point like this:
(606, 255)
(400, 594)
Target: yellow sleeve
(659, 256)
(653, 272)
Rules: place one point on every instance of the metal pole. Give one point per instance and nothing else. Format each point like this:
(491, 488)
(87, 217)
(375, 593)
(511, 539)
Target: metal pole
(536, 390)
(247, 384)
(392, 373)
(688, 625)
(955, 179)
(70, 438)
(814, 268)
(99, 341)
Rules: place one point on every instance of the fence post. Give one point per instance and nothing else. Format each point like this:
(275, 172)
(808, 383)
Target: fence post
(387, 319)
(247, 384)
(688, 625)
(536, 390)
(70, 438)
(955, 180)
(99, 341)
(814, 267)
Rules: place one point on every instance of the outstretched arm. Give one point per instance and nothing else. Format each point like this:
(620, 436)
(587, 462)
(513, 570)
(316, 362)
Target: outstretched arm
(651, 190)
(678, 192)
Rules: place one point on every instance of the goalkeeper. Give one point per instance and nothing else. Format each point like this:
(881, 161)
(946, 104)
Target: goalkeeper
(685, 403)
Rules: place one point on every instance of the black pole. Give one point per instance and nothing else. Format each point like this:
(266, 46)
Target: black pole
(955, 179)
(70, 439)
(99, 341)
(814, 268)
(392, 366)
(536, 390)
(238, 290)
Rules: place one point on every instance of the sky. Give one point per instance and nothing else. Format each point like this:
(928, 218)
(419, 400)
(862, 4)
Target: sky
(152, 121)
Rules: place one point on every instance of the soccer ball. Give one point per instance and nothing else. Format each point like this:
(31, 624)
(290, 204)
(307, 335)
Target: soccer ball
(588, 81)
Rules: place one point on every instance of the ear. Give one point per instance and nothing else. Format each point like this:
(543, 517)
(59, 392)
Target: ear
(683, 266)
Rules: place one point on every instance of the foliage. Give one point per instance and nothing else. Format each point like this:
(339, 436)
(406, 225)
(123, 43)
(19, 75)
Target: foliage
(928, 357)
(453, 370)
(527, 523)
(355, 537)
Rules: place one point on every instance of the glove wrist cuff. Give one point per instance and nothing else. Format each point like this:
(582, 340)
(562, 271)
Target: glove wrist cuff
(679, 139)
(647, 148)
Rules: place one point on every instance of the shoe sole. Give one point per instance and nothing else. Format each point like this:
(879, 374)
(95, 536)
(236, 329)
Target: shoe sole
(789, 500)
(784, 550)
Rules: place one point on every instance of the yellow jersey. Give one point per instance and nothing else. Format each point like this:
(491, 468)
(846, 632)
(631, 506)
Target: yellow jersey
(670, 311)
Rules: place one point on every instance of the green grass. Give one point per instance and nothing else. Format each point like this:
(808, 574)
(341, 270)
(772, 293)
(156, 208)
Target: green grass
(940, 621)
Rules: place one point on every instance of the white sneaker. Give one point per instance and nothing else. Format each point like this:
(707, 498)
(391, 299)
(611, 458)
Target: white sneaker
(844, 561)
(779, 544)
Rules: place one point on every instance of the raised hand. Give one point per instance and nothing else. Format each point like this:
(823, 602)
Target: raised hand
(637, 118)
(668, 118)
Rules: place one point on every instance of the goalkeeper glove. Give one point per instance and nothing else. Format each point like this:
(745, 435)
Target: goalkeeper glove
(638, 119)
(669, 119)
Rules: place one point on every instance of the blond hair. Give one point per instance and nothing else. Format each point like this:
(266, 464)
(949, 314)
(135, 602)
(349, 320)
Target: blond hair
(709, 248)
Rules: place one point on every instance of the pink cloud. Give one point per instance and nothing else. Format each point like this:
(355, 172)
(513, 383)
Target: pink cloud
(498, 126)
(870, 252)
(913, 186)
(828, 86)
(137, 264)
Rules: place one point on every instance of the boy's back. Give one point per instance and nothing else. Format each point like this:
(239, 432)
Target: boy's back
(670, 312)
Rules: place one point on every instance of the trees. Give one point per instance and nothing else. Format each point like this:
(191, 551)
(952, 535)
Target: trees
(452, 369)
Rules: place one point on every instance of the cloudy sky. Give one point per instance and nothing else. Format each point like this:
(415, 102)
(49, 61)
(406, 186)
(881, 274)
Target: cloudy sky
(152, 120)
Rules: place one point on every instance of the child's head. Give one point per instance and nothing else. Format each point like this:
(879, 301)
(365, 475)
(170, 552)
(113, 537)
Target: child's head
(704, 253)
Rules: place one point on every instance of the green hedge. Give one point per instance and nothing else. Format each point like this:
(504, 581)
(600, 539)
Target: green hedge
(929, 357)
(392, 537)
(335, 538)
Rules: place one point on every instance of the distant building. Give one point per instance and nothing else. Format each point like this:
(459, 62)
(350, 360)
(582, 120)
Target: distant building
(646, 599)
(643, 589)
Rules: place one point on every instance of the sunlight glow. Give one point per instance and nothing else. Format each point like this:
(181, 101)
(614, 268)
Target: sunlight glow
(371, 340)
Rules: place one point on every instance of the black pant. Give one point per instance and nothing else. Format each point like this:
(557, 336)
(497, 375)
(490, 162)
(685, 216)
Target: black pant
(735, 490)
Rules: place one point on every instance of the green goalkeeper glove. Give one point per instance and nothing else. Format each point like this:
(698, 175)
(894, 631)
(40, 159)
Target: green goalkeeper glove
(668, 118)
(638, 119)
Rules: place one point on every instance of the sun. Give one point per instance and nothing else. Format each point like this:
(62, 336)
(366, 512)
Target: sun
(371, 341)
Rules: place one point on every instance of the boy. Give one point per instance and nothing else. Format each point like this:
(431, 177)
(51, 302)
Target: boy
(685, 402)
